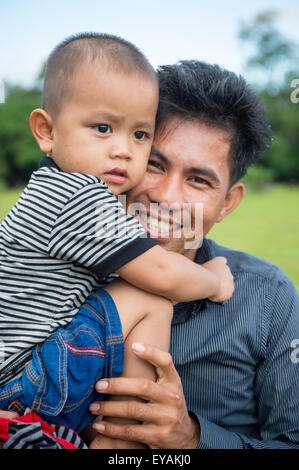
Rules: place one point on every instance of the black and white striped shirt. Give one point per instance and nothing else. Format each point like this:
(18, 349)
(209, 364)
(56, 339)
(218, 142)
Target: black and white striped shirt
(65, 232)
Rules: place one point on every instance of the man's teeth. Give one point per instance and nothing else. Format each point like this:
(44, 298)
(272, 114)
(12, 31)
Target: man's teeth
(158, 225)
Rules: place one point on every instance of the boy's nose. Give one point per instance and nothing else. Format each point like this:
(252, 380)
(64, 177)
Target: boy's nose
(121, 149)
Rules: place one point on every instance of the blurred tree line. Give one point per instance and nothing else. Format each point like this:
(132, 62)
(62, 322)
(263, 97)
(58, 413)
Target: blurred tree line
(271, 68)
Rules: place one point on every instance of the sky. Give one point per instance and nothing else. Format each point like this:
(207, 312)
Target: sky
(165, 30)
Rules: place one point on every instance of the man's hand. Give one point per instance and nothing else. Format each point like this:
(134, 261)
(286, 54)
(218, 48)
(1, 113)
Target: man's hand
(165, 422)
(219, 267)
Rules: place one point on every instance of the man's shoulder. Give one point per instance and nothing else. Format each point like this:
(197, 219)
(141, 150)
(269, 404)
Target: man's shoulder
(242, 262)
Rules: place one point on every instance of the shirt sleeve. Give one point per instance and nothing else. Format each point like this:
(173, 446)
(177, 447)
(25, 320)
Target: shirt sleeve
(94, 231)
(277, 381)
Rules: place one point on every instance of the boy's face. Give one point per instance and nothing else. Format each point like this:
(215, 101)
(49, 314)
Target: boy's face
(107, 125)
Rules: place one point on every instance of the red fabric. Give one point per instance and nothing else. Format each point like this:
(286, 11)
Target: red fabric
(32, 418)
(3, 430)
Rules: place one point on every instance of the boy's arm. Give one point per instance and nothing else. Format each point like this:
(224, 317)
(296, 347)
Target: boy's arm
(176, 277)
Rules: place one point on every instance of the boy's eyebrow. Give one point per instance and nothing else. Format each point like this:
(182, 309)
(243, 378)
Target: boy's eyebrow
(102, 115)
(145, 125)
(106, 115)
(208, 172)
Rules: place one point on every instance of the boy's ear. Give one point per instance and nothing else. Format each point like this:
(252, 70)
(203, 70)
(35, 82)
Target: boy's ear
(41, 125)
(233, 199)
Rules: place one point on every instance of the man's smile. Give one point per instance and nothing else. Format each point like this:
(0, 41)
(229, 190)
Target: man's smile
(158, 226)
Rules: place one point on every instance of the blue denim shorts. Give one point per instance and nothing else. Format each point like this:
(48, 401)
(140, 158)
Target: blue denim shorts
(58, 383)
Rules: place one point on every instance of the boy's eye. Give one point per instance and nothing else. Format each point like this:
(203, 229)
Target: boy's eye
(140, 135)
(103, 128)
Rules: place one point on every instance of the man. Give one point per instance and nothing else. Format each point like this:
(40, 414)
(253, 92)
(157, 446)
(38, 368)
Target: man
(230, 380)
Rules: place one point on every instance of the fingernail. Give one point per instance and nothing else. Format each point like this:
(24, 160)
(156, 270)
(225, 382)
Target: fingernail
(94, 407)
(101, 385)
(99, 427)
(138, 347)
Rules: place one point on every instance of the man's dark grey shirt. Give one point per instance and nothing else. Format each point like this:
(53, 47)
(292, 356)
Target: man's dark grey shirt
(239, 361)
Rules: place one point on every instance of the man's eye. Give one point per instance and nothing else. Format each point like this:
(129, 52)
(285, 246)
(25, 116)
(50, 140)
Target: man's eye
(155, 164)
(140, 135)
(197, 179)
(103, 128)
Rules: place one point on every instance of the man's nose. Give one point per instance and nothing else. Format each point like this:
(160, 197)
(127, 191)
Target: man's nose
(121, 148)
(168, 191)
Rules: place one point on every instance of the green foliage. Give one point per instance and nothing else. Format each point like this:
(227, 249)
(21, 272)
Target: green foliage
(258, 178)
(271, 48)
(283, 115)
(274, 57)
(19, 153)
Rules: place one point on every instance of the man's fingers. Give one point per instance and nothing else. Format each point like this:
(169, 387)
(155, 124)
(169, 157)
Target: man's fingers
(139, 387)
(126, 432)
(162, 360)
(139, 411)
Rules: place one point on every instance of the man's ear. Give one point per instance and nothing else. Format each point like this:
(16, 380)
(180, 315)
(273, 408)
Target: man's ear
(41, 125)
(233, 199)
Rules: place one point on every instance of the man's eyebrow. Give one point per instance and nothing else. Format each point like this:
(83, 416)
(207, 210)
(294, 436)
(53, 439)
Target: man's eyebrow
(157, 153)
(207, 172)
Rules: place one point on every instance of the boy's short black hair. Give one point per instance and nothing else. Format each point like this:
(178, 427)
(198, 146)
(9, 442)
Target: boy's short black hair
(115, 53)
(218, 98)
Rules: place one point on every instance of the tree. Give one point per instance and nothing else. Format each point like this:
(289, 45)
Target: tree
(274, 60)
(19, 152)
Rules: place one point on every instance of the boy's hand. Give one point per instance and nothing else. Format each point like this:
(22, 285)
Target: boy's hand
(219, 267)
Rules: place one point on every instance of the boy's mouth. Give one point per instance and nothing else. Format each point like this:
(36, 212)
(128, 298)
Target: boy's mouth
(116, 175)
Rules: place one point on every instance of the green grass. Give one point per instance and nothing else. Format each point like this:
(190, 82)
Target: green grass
(7, 199)
(266, 224)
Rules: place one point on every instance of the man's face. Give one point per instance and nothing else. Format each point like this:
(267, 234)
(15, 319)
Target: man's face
(188, 166)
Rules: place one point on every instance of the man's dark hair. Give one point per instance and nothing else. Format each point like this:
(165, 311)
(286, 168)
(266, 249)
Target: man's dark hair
(218, 98)
(114, 52)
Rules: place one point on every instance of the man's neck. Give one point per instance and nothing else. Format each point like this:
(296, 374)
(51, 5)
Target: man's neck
(190, 254)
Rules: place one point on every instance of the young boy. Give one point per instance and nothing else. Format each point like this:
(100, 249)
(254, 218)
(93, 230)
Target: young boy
(61, 331)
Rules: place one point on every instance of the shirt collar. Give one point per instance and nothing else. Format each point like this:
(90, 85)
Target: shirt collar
(47, 162)
(204, 253)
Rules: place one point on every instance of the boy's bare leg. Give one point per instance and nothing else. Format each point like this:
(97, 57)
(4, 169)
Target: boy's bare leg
(145, 318)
